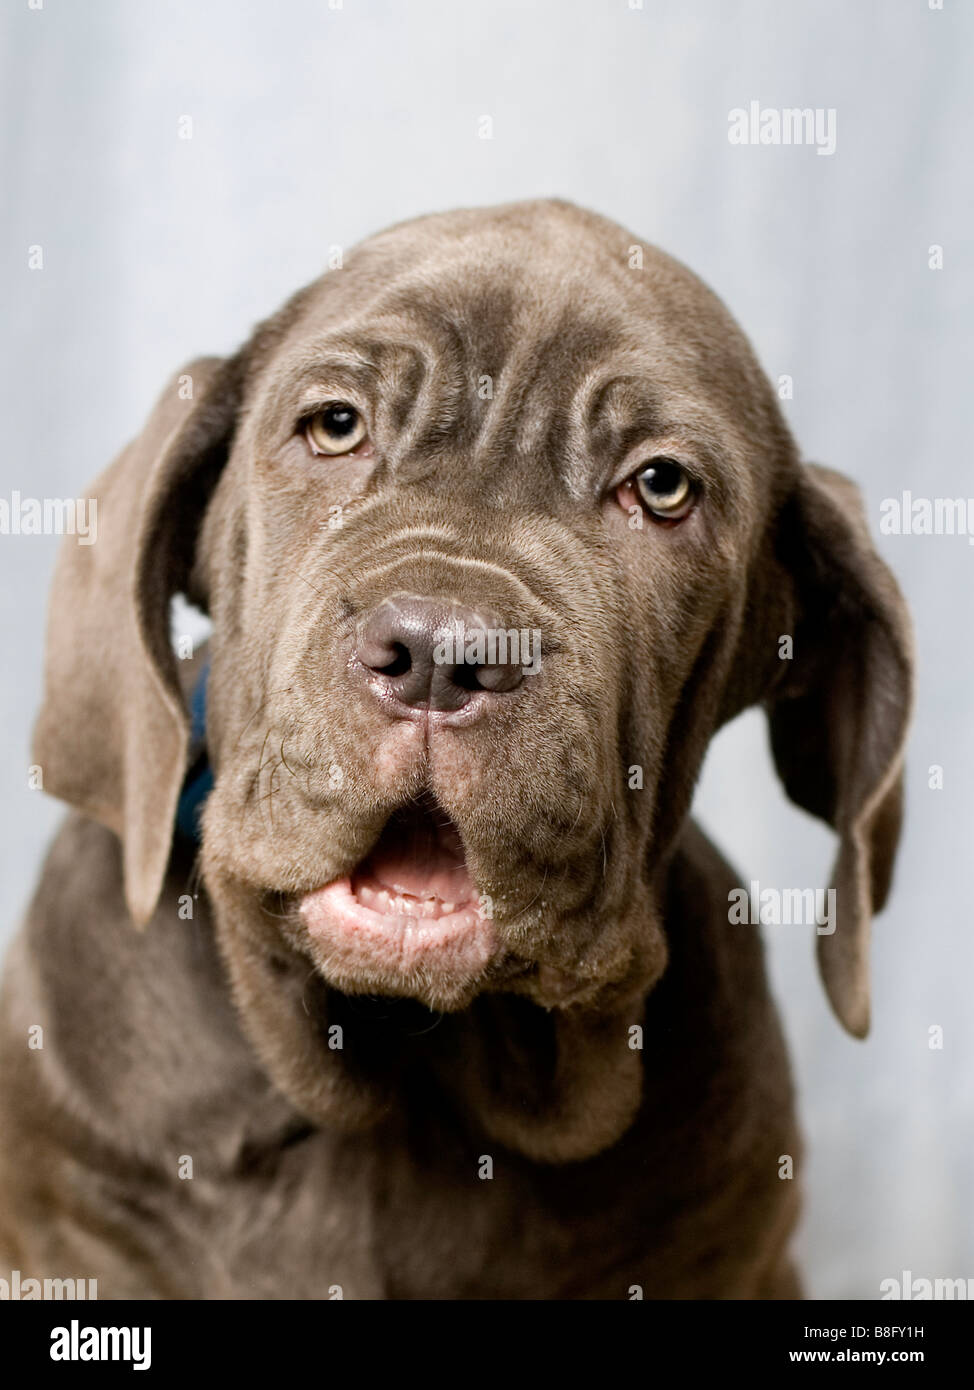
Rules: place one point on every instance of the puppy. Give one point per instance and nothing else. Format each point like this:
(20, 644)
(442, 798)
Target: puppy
(379, 957)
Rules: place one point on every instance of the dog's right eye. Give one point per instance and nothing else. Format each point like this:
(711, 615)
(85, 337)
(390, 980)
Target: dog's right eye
(338, 429)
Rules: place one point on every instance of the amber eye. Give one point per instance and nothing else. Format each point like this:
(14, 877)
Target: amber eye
(338, 429)
(665, 488)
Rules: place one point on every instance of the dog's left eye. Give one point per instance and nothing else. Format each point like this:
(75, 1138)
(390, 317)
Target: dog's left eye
(338, 429)
(663, 486)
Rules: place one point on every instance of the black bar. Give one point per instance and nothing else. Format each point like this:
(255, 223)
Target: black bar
(449, 1339)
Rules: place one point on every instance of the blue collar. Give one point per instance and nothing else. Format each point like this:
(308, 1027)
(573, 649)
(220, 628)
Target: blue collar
(199, 780)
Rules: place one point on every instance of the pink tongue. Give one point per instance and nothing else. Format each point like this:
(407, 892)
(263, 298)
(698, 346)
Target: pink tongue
(421, 857)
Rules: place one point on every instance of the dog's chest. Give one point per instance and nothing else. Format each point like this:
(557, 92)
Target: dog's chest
(346, 1218)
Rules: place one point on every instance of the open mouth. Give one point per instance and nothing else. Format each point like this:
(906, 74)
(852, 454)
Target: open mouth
(409, 911)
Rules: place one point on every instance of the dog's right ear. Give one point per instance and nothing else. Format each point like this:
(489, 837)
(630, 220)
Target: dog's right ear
(112, 736)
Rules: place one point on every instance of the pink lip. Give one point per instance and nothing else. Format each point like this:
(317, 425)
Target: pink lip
(373, 929)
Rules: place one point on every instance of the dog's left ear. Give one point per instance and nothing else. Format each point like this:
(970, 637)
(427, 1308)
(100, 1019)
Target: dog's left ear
(839, 714)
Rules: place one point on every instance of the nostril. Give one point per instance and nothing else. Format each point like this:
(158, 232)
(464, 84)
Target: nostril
(498, 678)
(384, 655)
(464, 677)
(398, 662)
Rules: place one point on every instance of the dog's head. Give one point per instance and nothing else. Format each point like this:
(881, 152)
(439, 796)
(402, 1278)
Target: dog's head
(495, 525)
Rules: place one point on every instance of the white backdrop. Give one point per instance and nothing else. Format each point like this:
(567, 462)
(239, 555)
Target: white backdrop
(314, 126)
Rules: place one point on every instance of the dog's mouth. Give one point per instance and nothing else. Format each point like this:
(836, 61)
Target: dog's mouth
(416, 869)
(408, 919)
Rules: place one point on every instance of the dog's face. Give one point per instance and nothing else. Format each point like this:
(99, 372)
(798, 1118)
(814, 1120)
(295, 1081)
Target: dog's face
(491, 429)
(495, 526)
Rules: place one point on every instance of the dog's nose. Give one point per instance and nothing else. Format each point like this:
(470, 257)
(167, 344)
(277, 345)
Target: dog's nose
(433, 654)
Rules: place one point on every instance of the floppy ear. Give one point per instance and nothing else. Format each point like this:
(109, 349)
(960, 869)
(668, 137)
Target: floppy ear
(112, 735)
(839, 716)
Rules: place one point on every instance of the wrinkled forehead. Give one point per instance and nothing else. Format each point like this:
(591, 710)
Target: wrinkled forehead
(514, 342)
